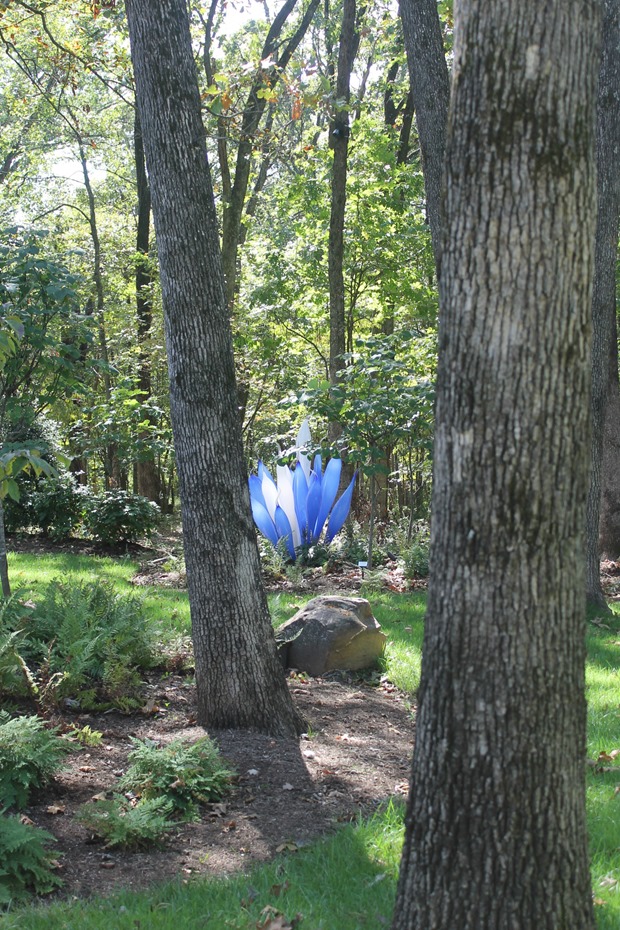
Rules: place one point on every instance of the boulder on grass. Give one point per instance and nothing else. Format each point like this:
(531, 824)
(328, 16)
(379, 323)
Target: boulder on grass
(331, 633)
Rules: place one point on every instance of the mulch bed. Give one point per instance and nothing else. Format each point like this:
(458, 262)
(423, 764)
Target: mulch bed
(285, 794)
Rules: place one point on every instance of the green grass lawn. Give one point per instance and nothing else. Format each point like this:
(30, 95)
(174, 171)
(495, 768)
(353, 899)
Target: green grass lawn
(346, 882)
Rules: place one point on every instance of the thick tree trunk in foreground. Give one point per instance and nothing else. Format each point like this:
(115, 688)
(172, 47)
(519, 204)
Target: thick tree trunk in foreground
(604, 337)
(239, 677)
(496, 834)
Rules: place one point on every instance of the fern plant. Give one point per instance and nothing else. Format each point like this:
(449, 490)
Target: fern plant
(25, 862)
(119, 823)
(30, 756)
(87, 642)
(184, 773)
(15, 677)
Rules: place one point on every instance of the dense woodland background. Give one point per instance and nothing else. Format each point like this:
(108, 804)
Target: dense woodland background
(320, 196)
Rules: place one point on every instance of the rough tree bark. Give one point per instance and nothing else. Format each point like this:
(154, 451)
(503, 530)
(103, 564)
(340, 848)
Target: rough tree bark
(609, 527)
(604, 337)
(605, 537)
(238, 675)
(496, 834)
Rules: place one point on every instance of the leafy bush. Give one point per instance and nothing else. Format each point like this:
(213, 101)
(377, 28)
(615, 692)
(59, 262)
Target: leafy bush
(87, 642)
(119, 516)
(29, 756)
(184, 773)
(119, 823)
(57, 505)
(42, 434)
(17, 514)
(25, 863)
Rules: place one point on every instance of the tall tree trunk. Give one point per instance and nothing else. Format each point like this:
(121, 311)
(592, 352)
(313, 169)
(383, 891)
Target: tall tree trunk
(339, 143)
(430, 89)
(239, 678)
(147, 475)
(496, 833)
(111, 464)
(604, 338)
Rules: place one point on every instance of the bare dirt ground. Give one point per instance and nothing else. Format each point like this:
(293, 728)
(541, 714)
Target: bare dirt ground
(355, 756)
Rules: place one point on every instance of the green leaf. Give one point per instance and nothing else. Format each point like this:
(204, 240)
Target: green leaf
(12, 489)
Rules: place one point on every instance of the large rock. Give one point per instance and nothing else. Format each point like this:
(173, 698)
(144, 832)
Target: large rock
(331, 633)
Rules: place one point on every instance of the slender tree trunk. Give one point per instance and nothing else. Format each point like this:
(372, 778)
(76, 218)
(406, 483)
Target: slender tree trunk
(147, 475)
(235, 187)
(111, 465)
(239, 678)
(339, 143)
(430, 89)
(496, 833)
(604, 339)
(4, 565)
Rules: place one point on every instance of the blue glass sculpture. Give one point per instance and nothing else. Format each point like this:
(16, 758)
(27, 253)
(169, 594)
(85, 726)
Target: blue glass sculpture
(296, 506)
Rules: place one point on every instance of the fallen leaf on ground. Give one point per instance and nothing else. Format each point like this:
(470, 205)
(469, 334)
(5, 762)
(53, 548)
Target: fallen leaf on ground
(272, 919)
(287, 847)
(277, 890)
(56, 809)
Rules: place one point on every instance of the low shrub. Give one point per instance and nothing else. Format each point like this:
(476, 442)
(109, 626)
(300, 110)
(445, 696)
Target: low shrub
(121, 517)
(30, 755)
(26, 865)
(184, 773)
(119, 823)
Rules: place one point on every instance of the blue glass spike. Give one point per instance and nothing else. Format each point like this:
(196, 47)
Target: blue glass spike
(264, 472)
(329, 489)
(300, 493)
(285, 532)
(317, 468)
(256, 490)
(313, 502)
(264, 521)
(340, 512)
